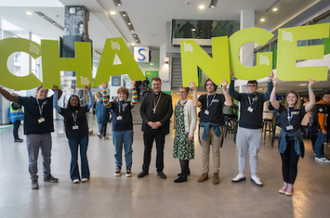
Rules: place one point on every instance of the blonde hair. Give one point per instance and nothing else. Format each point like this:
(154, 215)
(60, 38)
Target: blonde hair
(298, 102)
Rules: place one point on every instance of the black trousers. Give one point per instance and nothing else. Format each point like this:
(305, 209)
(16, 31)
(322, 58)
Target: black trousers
(289, 163)
(104, 129)
(148, 139)
(17, 123)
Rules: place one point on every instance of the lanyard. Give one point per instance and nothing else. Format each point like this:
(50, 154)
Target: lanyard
(250, 103)
(74, 116)
(42, 107)
(207, 101)
(121, 106)
(156, 104)
(289, 116)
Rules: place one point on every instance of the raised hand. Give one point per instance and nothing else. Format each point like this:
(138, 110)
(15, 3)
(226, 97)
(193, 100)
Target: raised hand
(271, 76)
(232, 74)
(55, 88)
(192, 85)
(88, 87)
(311, 82)
(275, 81)
(224, 83)
(104, 85)
(133, 82)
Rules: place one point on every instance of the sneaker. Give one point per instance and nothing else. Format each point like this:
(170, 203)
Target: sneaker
(99, 135)
(75, 181)
(103, 138)
(50, 178)
(256, 180)
(84, 180)
(34, 184)
(18, 140)
(238, 178)
(284, 188)
(322, 160)
(203, 177)
(289, 190)
(128, 172)
(118, 171)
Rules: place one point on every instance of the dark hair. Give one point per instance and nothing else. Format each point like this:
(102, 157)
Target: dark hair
(68, 115)
(156, 78)
(215, 86)
(325, 93)
(69, 107)
(186, 88)
(253, 82)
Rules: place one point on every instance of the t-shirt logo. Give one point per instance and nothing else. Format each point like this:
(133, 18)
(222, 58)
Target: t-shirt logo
(215, 100)
(321, 110)
(294, 113)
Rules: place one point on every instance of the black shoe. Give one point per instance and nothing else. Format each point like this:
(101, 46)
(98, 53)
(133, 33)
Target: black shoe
(118, 171)
(128, 171)
(18, 140)
(161, 175)
(142, 174)
(50, 178)
(34, 184)
(181, 179)
(188, 174)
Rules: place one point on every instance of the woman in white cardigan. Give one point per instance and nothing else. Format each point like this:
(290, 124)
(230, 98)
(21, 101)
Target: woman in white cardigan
(185, 120)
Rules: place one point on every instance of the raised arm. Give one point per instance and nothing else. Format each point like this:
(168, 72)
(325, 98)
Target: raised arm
(196, 103)
(105, 99)
(274, 103)
(8, 96)
(311, 103)
(55, 99)
(232, 92)
(269, 86)
(134, 94)
(91, 99)
(228, 101)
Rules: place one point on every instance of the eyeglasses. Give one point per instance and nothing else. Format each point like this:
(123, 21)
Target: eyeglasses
(182, 92)
(251, 86)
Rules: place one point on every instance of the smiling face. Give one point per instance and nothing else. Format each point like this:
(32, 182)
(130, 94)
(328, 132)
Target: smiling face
(210, 87)
(252, 88)
(183, 94)
(74, 101)
(122, 96)
(291, 99)
(156, 86)
(42, 93)
(326, 98)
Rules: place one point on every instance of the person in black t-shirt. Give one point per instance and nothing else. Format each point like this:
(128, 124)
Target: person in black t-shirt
(122, 125)
(76, 129)
(38, 124)
(290, 142)
(211, 124)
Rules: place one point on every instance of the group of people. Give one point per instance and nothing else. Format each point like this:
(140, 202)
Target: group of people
(156, 111)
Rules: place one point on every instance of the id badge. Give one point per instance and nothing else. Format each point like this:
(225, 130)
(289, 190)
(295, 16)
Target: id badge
(290, 127)
(41, 120)
(119, 117)
(206, 112)
(250, 109)
(75, 127)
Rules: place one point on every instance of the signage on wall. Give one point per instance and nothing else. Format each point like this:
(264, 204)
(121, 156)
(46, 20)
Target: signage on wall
(116, 81)
(141, 54)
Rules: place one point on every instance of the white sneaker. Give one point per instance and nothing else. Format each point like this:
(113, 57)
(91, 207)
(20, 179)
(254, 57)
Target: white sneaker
(84, 180)
(256, 180)
(238, 178)
(322, 160)
(75, 181)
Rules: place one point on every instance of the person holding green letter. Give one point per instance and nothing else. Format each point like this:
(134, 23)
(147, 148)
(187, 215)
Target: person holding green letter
(250, 123)
(38, 124)
(290, 142)
(76, 129)
(211, 124)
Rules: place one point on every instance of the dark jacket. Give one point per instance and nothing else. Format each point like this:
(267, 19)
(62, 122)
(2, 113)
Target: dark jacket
(163, 113)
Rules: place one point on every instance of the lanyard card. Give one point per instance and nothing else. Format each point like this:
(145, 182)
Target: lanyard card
(290, 127)
(250, 109)
(206, 112)
(119, 117)
(41, 120)
(75, 127)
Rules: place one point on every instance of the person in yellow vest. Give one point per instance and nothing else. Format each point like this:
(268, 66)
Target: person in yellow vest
(16, 115)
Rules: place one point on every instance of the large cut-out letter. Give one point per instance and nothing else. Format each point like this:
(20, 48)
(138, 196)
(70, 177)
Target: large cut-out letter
(9, 46)
(116, 59)
(289, 53)
(192, 55)
(52, 64)
(264, 59)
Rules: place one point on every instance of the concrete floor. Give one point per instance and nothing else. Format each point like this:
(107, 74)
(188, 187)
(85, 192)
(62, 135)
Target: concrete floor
(109, 196)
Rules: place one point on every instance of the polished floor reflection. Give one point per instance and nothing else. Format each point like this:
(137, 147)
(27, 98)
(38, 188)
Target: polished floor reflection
(109, 196)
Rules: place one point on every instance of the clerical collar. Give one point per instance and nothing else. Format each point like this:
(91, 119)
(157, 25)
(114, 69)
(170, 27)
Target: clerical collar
(156, 93)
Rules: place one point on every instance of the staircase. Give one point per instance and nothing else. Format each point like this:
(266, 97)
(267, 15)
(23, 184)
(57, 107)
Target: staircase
(136, 113)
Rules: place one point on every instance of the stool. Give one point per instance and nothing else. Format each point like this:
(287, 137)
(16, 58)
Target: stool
(267, 126)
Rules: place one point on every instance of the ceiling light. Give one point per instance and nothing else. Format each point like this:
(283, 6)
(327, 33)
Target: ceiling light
(262, 19)
(132, 43)
(201, 7)
(119, 5)
(124, 15)
(151, 64)
(303, 84)
(112, 12)
(212, 6)
(29, 12)
(193, 29)
(129, 23)
(274, 9)
(54, 22)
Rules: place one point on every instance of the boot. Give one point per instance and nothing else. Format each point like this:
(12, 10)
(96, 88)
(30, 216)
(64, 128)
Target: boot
(216, 179)
(204, 176)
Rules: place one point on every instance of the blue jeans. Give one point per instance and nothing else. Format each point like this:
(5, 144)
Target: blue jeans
(120, 138)
(74, 144)
(319, 144)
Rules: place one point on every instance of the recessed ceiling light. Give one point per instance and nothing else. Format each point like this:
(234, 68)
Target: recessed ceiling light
(262, 19)
(201, 7)
(119, 4)
(132, 43)
(112, 12)
(274, 9)
(129, 23)
(29, 12)
(151, 64)
(303, 84)
(212, 6)
(53, 22)
(193, 29)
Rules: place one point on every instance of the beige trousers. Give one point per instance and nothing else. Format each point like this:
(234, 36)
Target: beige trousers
(215, 142)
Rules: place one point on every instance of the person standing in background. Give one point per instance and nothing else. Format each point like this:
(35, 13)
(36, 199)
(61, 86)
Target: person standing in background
(16, 116)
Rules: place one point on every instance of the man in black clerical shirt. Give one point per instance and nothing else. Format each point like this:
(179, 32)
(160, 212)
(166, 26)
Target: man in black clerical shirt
(156, 111)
